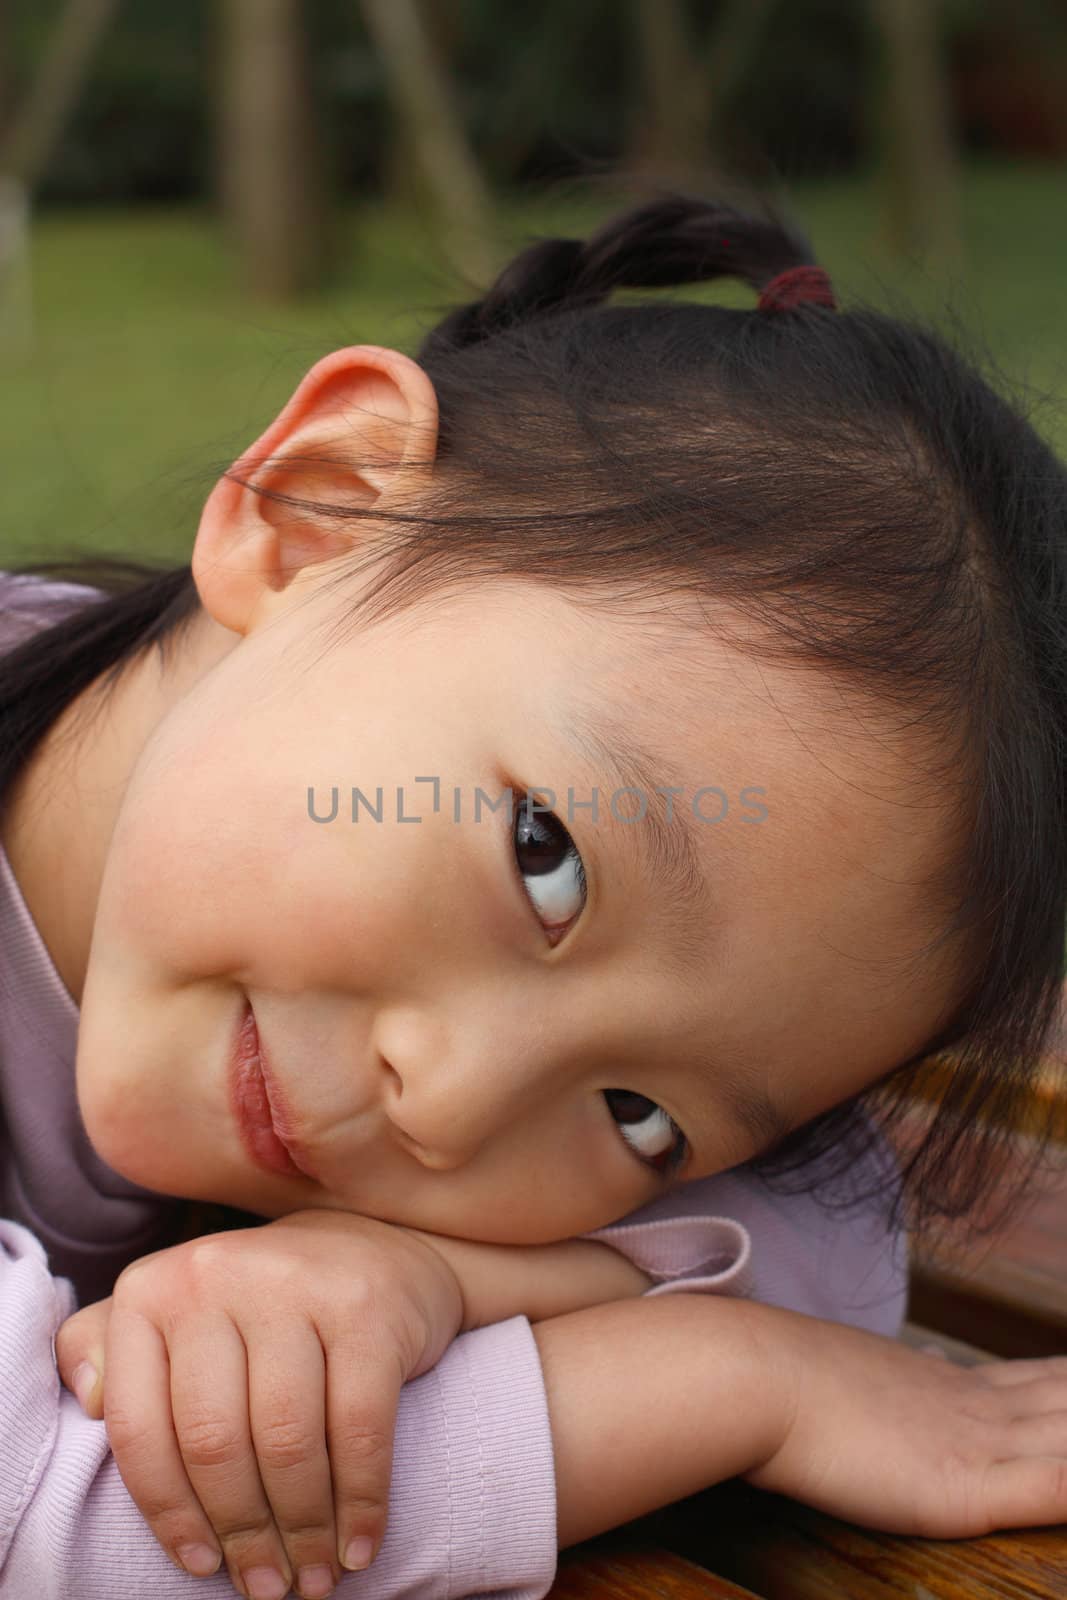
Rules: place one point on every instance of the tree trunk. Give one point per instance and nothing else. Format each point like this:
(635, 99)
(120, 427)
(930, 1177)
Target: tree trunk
(34, 128)
(919, 157)
(31, 129)
(689, 84)
(735, 40)
(271, 177)
(668, 135)
(7, 71)
(423, 102)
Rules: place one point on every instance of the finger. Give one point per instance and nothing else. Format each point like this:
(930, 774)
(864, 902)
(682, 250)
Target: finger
(287, 1403)
(1028, 1492)
(81, 1340)
(1040, 1434)
(137, 1412)
(209, 1383)
(1042, 1397)
(362, 1396)
(1006, 1372)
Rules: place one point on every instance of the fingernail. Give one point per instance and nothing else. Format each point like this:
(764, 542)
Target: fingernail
(84, 1381)
(265, 1583)
(314, 1583)
(199, 1559)
(357, 1554)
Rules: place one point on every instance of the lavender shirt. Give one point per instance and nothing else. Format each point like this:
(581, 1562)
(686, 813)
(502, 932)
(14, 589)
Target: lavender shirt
(472, 1505)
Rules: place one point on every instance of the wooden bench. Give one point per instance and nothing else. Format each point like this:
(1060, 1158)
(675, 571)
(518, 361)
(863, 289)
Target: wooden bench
(1004, 1296)
(1007, 1292)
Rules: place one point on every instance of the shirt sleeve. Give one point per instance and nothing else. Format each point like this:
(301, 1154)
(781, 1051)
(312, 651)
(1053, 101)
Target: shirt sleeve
(472, 1500)
(29, 603)
(730, 1234)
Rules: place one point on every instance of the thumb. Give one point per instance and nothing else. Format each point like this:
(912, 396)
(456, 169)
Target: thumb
(80, 1343)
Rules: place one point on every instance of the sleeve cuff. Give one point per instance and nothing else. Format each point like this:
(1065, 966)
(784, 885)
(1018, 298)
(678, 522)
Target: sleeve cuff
(495, 1530)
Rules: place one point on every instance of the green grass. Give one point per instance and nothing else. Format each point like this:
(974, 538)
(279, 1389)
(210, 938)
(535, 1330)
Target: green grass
(150, 369)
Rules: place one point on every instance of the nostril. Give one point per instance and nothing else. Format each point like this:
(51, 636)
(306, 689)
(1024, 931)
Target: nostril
(407, 1143)
(395, 1091)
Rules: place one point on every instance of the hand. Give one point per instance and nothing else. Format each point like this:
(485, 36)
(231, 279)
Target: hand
(894, 1438)
(228, 1364)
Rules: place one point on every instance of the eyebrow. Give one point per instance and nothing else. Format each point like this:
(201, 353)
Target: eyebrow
(667, 853)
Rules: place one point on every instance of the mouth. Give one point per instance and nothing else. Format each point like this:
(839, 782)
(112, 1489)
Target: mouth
(262, 1114)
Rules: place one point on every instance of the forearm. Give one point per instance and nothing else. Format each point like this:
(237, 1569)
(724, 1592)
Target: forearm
(536, 1280)
(653, 1400)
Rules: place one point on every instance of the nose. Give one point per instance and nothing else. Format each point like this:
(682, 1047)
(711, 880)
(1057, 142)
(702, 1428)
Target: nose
(446, 1097)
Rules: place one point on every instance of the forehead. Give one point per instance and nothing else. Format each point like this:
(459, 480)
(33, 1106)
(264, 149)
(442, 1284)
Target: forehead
(795, 793)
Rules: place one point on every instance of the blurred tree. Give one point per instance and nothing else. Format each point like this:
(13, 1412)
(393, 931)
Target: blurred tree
(31, 130)
(7, 67)
(688, 85)
(36, 122)
(518, 83)
(423, 103)
(141, 128)
(670, 126)
(916, 132)
(271, 180)
(1010, 60)
(736, 37)
(544, 92)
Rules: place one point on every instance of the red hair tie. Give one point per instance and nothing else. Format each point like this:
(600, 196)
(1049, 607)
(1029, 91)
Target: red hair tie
(797, 286)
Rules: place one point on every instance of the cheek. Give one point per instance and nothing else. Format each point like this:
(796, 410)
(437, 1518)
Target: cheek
(216, 870)
(150, 1072)
(175, 893)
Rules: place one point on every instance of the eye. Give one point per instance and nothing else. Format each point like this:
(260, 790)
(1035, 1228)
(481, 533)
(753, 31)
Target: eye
(549, 865)
(648, 1130)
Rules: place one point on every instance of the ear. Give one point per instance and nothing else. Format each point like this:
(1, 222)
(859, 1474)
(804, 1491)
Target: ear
(361, 430)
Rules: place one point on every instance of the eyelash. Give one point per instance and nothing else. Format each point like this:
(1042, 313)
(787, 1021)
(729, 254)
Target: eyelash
(666, 1163)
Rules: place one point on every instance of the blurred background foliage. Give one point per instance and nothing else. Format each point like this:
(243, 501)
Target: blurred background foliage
(199, 199)
(545, 88)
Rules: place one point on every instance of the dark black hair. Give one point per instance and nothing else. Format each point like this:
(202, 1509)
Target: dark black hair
(845, 479)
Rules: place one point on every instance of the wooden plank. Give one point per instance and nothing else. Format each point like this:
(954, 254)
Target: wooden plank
(783, 1550)
(1000, 1308)
(1049, 1099)
(637, 1574)
(1005, 1291)
(964, 1355)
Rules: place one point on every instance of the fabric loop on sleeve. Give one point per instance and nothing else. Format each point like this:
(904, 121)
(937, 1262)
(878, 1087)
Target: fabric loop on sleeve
(711, 1255)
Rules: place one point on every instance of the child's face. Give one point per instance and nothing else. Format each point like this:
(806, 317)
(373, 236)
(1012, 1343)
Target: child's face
(445, 1056)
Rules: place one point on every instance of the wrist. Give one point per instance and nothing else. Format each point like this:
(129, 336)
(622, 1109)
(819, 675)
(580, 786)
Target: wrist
(704, 1399)
(614, 1275)
(444, 1308)
(498, 1281)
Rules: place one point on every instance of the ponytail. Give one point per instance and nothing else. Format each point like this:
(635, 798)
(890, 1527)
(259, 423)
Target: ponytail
(665, 243)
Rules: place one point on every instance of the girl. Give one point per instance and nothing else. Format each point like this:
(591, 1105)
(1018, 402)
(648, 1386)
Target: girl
(585, 771)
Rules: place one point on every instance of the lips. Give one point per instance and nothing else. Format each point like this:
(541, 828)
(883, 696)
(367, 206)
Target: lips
(264, 1119)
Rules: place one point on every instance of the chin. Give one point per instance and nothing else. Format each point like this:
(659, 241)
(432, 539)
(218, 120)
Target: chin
(133, 1160)
(126, 1150)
